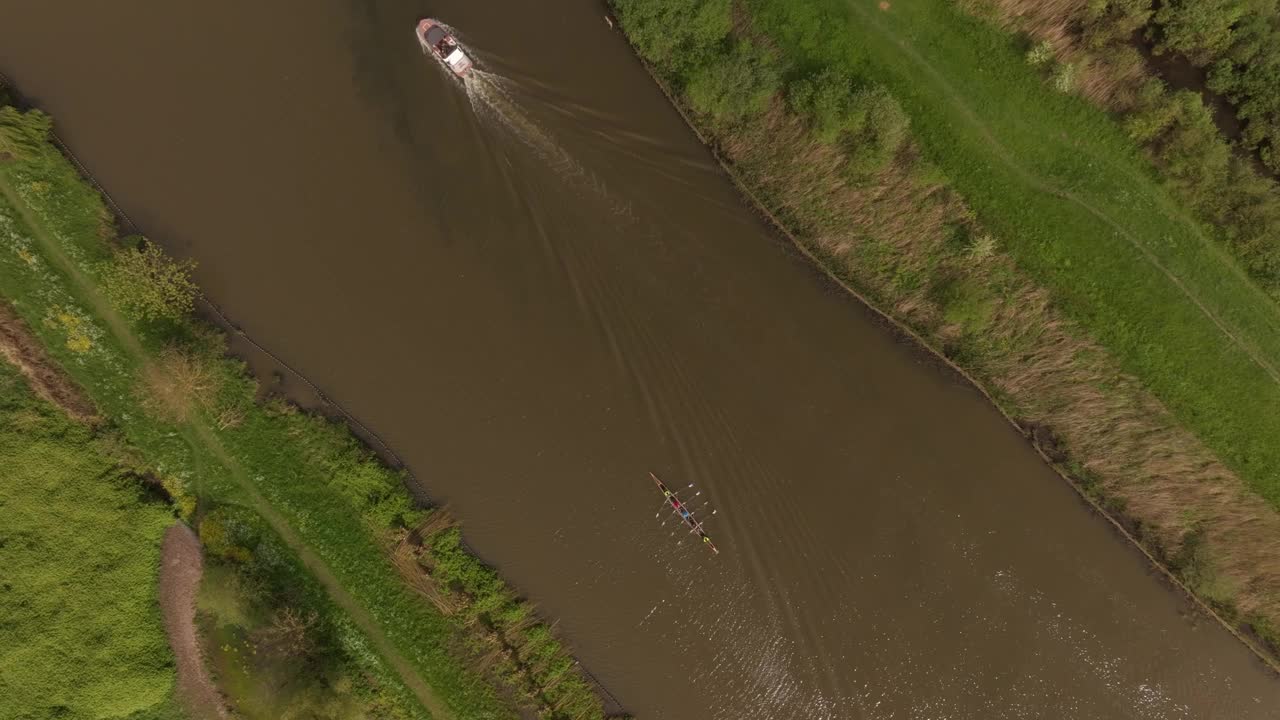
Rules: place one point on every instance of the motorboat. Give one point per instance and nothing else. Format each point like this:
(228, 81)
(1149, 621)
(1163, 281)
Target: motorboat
(436, 39)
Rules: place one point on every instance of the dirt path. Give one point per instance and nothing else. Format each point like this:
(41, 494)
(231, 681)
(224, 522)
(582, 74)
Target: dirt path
(181, 565)
(198, 431)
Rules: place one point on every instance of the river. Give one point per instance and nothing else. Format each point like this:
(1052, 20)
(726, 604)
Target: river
(538, 288)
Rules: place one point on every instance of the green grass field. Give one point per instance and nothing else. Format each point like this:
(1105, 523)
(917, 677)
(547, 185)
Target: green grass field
(1074, 203)
(80, 627)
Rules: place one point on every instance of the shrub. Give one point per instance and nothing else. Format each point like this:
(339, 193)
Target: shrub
(1179, 130)
(1191, 151)
(1152, 114)
(882, 129)
(1064, 77)
(734, 85)
(219, 541)
(1198, 29)
(145, 284)
(676, 35)
(1110, 22)
(177, 385)
(1249, 75)
(1041, 54)
(825, 99)
(1249, 213)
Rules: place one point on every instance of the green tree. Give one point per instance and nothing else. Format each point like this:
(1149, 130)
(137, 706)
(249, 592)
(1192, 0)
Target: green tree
(1198, 29)
(1249, 215)
(1152, 113)
(1249, 75)
(825, 99)
(146, 284)
(1191, 150)
(1111, 22)
(882, 128)
(1179, 130)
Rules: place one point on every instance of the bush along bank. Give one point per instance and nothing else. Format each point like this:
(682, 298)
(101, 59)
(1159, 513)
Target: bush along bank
(830, 155)
(115, 314)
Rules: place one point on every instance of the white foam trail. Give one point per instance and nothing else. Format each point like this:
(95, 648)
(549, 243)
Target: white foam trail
(493, 100)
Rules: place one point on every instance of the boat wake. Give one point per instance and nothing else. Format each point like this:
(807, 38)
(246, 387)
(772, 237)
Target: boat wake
(493, 98)
(771, 676)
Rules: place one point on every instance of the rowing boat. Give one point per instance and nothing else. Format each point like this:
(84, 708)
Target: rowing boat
(684, 512)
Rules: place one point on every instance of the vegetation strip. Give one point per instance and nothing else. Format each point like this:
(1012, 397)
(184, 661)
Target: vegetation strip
(122, 333)
(830, 159)
(1184, 358)
(268, 483)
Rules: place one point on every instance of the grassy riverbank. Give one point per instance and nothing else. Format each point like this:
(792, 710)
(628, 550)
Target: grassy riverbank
(1140, 64)
(81, 635)
(1080, 211)
(916, 155)
(293, 483)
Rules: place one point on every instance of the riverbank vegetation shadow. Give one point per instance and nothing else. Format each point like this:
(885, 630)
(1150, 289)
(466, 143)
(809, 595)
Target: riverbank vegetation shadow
(291, 504)
(1048, 263)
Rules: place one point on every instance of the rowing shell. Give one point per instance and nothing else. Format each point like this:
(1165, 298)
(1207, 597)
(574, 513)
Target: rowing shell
(683, 512)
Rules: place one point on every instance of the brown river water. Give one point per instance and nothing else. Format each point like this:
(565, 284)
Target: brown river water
(538, 287)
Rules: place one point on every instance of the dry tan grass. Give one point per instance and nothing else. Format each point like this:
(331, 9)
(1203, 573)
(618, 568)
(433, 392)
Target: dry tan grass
(414, 564)
(1104, 77)
(21, 348)
(405, 557)
(1155, 477)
